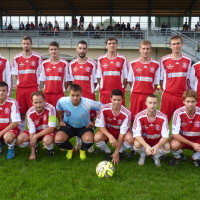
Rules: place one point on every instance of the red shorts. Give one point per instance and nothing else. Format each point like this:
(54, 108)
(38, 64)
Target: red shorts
(137, 104)
(15, 131)
(23, 96)
(169, 103)
(105, 98)
(40, 139)
(151, 142)
(53, 98)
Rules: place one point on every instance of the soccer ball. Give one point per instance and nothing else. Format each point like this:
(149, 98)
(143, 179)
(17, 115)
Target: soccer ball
(105, 169)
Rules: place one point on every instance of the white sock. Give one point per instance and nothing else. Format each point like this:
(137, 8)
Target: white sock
(141, 151)
(50, 147)
(196, 156)
(161, 152)
(25, 144)
(11, 145)
(78, 140)
(103, 146)
(177, 153)
(124, 147)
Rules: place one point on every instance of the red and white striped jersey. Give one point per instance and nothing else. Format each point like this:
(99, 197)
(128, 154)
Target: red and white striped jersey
(174, 73)
(188, 127)
(115, 124)
(27, 70)
(195, 78)
(5, 73)
(112, 73)
(54, 76)
(39, 121)
(144, 76)
(84, 74)
(151, 131)
(9, 112)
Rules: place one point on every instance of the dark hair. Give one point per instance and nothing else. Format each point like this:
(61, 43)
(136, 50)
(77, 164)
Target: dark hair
(176, 37)
(82, 42)
(27, 37)
(111, 38)
(75, 88)
(37, 93)
(54, 43)
(116, 92)
(3, 84)
(152, 96)
(190, 93)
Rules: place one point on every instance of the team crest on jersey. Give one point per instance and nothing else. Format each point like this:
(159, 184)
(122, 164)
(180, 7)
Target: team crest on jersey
(152, 69)
(87, 69)
(197, 124)
(183, 124)
(44, 118)
(105, 65)
(75, 69)
(1, 62)
(157, 127)
(60, 69)
(170, 66)
(185, 65)
(48, 69)
(119, 121)
(118, 64)
(82, 114)
(67, 113)
(7, 111)
(139, 70)
(33, 63)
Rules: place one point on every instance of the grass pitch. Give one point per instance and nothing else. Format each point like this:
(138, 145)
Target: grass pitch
(50, 178)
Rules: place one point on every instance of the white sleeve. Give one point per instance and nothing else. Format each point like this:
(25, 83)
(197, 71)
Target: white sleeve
(31, 125)
(39, 69)
(52, 117)
(137, 128)
(125, 125)
(130, 74)
(157, 76)
(15, 115)
(192, 78)
(176, 123)
(7, 76)
(99, 72)
(189, 69)
(14, 69)
(71, 77)
(100, 122)
(165, 129)
(125, 69)
(42, 75)
(66, 71)
(161, 71)
(94, 73)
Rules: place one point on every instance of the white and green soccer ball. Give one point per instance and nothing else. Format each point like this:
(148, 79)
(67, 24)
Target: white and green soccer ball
(105, 169)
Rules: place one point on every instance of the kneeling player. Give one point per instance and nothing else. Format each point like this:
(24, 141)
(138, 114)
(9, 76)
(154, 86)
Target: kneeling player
(113, 122)
(151, 132)
(76, 111)
(41, 119)
(186, 129)
(9, 120)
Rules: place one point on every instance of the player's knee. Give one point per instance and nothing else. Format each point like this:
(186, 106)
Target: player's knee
(175, 145)
(166, 147)
(88, 137)
(129, 140)
(137, 145)
(47, 141)
(97, 137)
(8, 138)
(19, 141)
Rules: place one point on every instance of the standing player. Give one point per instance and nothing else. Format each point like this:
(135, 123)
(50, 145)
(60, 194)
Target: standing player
(83, 73)
(195, 80)
(26, 67)
(113, 121)
(41, 119)
(112, 71)
(9, 120)
(151, 132)
(76, 111)
(186, 129)
(175, 70)
(5, 73)
(54, 75)
(144, 76)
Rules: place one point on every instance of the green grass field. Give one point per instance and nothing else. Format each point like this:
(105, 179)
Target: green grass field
(60, 179)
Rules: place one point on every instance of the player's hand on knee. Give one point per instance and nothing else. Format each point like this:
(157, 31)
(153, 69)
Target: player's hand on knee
(154, 150)
(196, 146)
(62, 123)
(149, 150)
